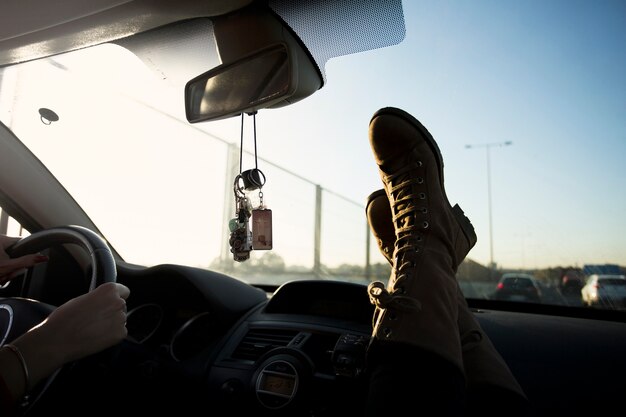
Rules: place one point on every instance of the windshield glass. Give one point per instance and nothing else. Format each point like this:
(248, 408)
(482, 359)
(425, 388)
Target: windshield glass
(500, 85)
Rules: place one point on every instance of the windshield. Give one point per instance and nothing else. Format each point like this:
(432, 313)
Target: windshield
(525, 99)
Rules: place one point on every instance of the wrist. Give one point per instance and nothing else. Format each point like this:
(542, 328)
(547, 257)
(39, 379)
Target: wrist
(41, 353)
(12, 375)
(22, 399)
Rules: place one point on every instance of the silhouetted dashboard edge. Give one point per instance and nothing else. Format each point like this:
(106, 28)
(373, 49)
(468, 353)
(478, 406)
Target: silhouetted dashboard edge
(301, 348)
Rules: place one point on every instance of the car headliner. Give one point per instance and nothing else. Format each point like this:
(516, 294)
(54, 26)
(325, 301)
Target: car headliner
(59, 27)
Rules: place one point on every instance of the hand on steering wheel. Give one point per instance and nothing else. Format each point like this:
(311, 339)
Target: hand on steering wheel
(82, 326)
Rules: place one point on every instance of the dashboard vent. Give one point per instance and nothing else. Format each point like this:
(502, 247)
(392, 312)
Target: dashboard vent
(259, 341)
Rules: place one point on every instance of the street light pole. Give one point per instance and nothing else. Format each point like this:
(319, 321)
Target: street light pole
(487, 147)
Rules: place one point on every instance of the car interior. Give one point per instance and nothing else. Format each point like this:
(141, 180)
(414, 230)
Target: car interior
(123, 126)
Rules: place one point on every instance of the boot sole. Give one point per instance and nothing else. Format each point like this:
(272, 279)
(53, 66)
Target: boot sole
(466, 225)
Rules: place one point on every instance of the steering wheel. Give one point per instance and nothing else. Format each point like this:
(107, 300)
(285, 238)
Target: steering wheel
(18, 315)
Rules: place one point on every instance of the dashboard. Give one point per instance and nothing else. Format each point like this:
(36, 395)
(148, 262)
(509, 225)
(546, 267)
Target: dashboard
(300, 350)
(306, 337)
(201, 340)
(310, 337)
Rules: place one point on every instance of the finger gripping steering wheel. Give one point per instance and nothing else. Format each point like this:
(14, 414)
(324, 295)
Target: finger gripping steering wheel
(102, 261)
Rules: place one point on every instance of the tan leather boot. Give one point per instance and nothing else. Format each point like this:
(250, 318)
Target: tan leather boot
(419, 305)
(482, 362)
(379, 218)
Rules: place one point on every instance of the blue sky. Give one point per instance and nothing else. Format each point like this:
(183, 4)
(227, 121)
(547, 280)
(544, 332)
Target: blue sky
(550, 76)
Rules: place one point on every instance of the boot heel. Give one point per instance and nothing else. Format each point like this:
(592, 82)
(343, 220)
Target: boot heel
(465, 224)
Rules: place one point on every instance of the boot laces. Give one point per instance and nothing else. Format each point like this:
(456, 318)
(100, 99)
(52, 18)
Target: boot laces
(405, 210)
(395, 300)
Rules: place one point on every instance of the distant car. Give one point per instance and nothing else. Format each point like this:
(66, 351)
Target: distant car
(518, 287)
(571, 284)
(607, 291)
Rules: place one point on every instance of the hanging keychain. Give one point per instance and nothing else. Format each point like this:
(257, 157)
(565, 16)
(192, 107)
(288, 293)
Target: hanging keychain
(261, 226)
(243, 239)
(240, 239)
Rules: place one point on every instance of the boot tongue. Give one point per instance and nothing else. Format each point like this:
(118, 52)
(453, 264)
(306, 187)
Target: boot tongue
(392, 163)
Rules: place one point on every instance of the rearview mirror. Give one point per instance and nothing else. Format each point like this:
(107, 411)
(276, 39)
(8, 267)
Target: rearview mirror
(258, 80)
(263, 65)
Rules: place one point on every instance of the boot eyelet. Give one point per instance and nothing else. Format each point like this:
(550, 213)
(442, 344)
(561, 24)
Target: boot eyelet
(387, 331)
(422, 196)
(425, 225)
(392, 316)
(417, 250)
(419, 163)
(420, 180)
(424, 210)
(418, 238)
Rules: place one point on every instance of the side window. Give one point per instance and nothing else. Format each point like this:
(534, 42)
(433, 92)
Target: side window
(9, 226)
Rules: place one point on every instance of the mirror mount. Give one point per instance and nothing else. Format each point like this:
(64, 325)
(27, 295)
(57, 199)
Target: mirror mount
(264, 65)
